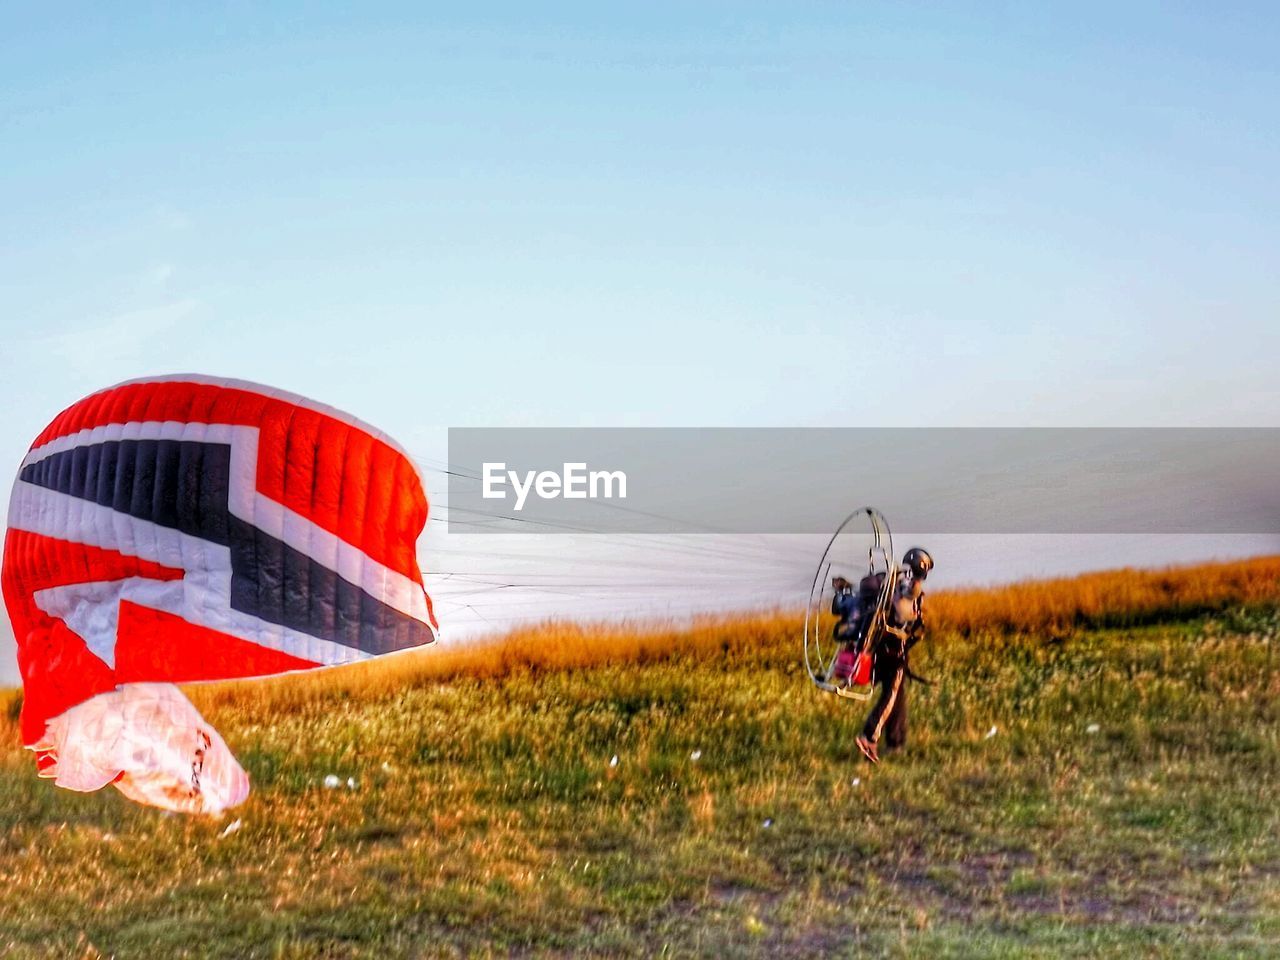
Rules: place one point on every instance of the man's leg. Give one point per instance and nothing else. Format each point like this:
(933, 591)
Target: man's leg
(895, 728)
(890, 673)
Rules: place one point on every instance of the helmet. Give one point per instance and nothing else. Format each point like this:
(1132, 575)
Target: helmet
(918, 559)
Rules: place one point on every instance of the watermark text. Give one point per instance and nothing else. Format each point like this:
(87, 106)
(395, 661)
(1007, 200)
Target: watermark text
(574, 482)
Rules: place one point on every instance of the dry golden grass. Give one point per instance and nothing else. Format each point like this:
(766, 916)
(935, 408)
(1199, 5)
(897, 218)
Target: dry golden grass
(1048, 608)
(1113, 598)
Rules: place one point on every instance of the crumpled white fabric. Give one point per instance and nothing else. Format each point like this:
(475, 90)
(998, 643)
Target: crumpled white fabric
(150, 743)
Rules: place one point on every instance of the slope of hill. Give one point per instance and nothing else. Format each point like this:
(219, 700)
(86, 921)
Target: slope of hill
(1096, 779)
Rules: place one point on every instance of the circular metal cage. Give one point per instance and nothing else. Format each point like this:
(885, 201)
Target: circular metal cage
(861, 546)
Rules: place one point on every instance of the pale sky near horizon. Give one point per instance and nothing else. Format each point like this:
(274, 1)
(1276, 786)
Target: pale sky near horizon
(711, 214)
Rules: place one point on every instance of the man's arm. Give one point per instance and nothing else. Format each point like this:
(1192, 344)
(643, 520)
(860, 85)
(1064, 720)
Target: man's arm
(915, 632)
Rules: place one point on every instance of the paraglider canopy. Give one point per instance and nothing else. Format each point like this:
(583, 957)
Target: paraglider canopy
(189, 528)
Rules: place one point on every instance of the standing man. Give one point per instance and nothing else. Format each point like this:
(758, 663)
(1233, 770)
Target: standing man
(888, 718)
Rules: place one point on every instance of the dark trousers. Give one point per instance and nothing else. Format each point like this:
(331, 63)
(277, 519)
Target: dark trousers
(888, 718)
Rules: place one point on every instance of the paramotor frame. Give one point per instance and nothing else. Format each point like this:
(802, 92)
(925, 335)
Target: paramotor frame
(869, 530)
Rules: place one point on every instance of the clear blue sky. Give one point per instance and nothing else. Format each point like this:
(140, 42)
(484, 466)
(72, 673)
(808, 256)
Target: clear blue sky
(694, 214)
(702, 214)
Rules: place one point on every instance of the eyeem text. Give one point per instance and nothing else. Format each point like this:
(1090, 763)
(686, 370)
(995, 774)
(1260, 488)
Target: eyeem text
(575, 482)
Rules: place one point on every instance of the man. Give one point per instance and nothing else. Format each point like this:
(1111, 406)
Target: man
(888, 718)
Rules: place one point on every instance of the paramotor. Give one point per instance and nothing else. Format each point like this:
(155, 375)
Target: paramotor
(849, 602)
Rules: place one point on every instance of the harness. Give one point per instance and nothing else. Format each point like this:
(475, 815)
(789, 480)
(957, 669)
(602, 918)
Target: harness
(907, 636)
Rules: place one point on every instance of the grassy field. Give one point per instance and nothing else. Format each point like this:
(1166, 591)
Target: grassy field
(1095, 773)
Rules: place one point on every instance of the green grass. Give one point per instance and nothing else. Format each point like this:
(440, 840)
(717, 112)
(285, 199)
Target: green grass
(488, 821)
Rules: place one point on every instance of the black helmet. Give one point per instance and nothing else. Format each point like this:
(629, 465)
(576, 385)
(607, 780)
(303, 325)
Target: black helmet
(918, 559)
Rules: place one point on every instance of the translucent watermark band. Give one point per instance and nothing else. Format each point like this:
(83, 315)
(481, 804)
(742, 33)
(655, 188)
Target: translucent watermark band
(941, 480)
